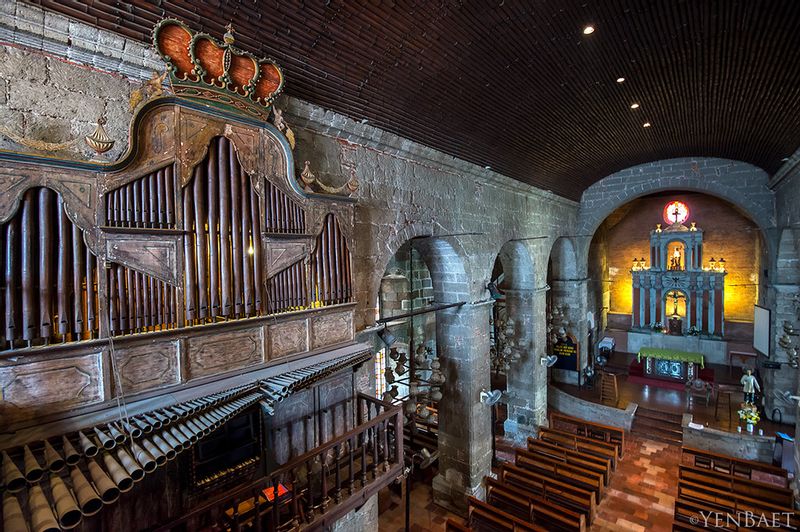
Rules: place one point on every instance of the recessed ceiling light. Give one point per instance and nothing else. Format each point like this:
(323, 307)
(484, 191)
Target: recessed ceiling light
(620, 80)
(634, 106)
(588, 30)
(646, 124)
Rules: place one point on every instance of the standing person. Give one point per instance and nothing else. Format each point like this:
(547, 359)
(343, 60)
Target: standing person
(749, 386)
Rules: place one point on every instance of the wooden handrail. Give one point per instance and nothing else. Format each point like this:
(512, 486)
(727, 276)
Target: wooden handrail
(382, 419)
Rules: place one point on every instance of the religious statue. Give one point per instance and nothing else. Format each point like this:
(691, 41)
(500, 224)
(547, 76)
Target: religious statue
(749, 386)
(675, 261)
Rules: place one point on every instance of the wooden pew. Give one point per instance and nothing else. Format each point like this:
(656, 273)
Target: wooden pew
(733, 466)
(531, 508)
(564, 472)
(700, 505)
(595, 431)
(455, 526)
(483, 517)
(689, 515)
(550, 489)
(588, 462)
(725, 502)
(743, 486)
(580, 443)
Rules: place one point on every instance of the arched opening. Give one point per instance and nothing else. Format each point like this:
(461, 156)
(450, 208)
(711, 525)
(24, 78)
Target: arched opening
(675, 289)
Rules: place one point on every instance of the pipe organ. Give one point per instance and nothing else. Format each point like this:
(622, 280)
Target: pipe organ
(147, 302)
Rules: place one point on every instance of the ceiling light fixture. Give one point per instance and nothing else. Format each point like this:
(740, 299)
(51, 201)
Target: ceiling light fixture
(646, 124)
(634, 106)
(620, 80)
(588, 30)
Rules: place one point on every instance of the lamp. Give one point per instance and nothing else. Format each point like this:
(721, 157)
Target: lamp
(713, 263)
(721, 264)
(386, 336)
(635, 264)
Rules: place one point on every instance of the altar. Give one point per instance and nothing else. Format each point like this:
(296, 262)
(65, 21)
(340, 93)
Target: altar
(670, 363)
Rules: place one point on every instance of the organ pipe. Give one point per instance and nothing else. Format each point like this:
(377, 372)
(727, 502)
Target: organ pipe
(330, 266)
(49, 276)
(147, 202)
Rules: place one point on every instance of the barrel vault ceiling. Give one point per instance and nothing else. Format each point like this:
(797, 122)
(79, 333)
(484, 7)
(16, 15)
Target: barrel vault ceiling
(516, 85)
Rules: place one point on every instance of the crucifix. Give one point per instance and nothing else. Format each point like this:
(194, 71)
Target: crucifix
(676, 296)
(676, 213)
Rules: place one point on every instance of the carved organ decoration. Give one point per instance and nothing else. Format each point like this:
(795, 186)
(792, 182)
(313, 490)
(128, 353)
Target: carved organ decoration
(199, 66)
(50, 275)
(147, 202)
(222, 245)
(330, 266)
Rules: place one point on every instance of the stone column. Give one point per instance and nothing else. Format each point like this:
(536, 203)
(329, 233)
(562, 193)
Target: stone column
(573, 294)
(465, 443)
(527, 379)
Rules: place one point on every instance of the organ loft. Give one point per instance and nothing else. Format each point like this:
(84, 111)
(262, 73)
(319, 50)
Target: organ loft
(264, 268)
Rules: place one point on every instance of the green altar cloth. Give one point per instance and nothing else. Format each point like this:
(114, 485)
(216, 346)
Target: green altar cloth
(670, 354)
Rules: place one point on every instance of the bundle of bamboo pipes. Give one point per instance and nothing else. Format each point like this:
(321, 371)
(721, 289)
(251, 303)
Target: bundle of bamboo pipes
(139, 302)
(287, 289)
(330, 266)
(222, 246)
(146, 202)
(284, 215)
(50, 276)
(91, 468)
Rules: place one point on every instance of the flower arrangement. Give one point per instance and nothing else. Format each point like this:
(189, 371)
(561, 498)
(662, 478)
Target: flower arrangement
(657, 327)
(694, 331)
(749, 414)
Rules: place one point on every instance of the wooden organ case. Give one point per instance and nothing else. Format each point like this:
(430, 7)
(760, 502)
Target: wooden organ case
(168, 302)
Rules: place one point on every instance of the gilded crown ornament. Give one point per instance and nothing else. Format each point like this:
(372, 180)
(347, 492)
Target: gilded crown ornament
(217, 73)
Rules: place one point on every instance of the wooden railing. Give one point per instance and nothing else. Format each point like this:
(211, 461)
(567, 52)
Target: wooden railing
(316, 488)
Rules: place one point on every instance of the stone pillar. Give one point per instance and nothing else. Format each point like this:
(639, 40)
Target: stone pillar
(574, 295)
(527, 379)
(465, 442)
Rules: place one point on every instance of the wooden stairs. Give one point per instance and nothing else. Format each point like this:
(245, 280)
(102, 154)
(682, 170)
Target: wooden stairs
(660, 426)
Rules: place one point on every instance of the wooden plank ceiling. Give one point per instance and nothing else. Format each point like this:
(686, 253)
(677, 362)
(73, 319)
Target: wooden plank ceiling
(515, 85)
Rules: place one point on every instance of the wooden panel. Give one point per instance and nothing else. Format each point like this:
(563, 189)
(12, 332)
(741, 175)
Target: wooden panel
(154, 255)
(49, 386)
(329, 329)
(148, 366)
(281, 253)
(288, 338)
(224, 352)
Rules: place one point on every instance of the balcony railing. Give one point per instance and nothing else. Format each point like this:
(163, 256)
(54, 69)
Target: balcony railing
(317, 488)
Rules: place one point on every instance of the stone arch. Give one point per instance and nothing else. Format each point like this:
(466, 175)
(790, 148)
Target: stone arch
(787, 264)
(564, 259)
(739, 183)
(517, 265)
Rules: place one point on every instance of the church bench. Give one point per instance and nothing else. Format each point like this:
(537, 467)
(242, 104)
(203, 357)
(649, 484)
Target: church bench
(530, 507)
(744, 486)
(564, 472)
(483, 517)
(595, 431)
(454, 526)
(579, 443)
(733, 466)
(588, 462)
(723, 501)
(689, 515)
(550, 489)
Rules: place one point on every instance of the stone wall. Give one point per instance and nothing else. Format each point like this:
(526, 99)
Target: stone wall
(561, 401)
(364, 519)
(744, 445)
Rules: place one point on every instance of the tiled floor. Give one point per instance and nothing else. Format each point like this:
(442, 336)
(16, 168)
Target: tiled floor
(425, 515)
(642, 491)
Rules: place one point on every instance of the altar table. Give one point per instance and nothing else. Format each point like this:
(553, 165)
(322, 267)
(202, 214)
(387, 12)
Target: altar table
(670, 363)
